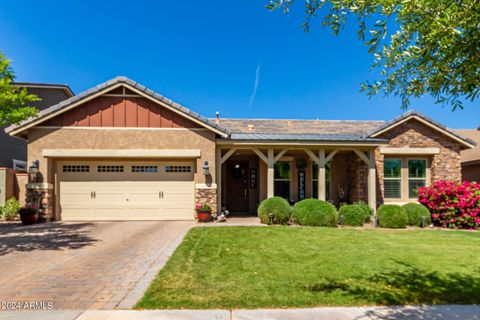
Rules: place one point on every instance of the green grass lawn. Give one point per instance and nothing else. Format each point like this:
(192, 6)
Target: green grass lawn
(276, 267)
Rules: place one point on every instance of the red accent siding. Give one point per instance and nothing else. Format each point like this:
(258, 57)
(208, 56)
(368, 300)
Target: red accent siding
(121, 112)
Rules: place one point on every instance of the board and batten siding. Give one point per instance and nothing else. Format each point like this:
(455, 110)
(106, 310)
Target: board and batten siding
(131, 112)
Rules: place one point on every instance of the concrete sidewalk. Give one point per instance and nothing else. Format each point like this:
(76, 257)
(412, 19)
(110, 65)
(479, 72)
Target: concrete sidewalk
(440, 312)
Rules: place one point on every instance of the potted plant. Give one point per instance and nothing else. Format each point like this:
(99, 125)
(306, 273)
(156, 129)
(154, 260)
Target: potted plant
(28, 215)
(204, 212)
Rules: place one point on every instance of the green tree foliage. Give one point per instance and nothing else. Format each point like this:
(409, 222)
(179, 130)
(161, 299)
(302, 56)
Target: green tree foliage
(421, 46)
(14, 101)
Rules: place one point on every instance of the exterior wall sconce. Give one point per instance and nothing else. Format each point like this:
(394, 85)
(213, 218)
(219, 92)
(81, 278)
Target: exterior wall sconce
(33, 171)
(206, 169)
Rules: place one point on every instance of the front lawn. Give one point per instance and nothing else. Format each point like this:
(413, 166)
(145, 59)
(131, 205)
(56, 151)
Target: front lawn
(276, 267)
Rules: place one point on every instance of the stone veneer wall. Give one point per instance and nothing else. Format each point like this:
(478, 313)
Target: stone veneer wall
(41, 194)
(359, 178)
(208, 196)
(444, 166)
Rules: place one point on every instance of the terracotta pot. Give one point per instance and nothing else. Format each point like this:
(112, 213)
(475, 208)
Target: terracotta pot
(204, 216)
(29, 218)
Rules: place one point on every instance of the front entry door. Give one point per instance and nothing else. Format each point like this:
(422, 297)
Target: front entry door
(237, 186)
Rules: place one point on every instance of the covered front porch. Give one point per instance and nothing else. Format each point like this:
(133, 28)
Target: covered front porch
(247, 174)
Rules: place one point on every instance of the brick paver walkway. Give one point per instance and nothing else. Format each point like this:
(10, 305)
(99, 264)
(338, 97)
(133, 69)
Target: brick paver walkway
(96, 265)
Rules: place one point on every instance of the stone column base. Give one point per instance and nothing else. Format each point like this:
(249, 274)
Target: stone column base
(207, 194)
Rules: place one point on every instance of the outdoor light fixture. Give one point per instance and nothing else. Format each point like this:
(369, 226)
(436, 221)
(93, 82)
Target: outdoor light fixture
(375, 221)
(270, 215)
(341, 219)
(33, 170)
(206, 169)
(424, 220)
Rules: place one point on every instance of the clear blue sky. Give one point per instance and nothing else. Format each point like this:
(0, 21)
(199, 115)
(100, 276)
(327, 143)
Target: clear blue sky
(205, 55)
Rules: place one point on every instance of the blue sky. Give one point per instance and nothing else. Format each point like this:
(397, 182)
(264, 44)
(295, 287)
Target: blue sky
(205, 55)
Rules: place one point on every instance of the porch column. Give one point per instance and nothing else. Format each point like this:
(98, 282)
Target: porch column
(270, 173)
(321, 175)
(372, 190)
(218, 167)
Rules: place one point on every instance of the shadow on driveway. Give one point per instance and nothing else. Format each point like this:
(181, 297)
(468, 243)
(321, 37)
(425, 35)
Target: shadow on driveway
(45, 236)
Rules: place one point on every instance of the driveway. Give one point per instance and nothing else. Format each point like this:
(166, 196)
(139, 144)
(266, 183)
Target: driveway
(95, 265)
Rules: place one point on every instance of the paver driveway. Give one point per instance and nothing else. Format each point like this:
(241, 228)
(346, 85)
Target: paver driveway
(97, 265)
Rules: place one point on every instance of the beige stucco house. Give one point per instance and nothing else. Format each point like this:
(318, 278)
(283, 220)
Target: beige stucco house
(120, 151)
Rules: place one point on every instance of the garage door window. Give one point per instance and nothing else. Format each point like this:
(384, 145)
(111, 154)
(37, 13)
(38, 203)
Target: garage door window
(137, 169)
(76, 168)
(178, 169)
(107, 168)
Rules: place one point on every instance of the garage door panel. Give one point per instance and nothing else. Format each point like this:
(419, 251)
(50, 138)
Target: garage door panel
(126, 195)
(77, 212)
(175, 213)
(105, 212)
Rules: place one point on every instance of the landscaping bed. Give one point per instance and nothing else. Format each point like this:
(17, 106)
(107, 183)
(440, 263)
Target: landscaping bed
(280, 266)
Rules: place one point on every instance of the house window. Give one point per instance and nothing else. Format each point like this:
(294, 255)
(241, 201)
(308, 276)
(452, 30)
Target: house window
(392, 173)
(144, 169)
(417, 176)
(315, 180)
(178, 169)
(76, 168)
(108, 168)
(282, 178)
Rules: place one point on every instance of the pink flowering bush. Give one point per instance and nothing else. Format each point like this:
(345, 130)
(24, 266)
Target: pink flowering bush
(452, 204)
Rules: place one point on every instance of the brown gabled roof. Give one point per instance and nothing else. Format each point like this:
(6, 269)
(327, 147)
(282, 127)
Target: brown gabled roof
(103, 87)
(357, 128)
(471, 155)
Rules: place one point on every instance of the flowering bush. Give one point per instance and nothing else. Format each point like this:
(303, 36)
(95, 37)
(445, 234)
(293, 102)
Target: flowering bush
(452, 204)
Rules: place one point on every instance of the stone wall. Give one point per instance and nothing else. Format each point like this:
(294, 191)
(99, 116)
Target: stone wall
(208, 196)
(444, 166)
(358, 175)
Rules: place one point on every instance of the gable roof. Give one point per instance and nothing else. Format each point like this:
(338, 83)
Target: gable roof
(54, 86)
(466, 142)
(109, 85)
(471, 155)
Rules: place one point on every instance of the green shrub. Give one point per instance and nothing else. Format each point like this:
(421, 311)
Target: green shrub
(392, 216)
(10, 211)
(353, 215)
(368, 212)
(415, 211)
(278, 206)
(313, 212)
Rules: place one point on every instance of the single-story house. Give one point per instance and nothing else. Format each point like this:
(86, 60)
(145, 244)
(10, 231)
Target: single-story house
(121, 151)
(471, 157)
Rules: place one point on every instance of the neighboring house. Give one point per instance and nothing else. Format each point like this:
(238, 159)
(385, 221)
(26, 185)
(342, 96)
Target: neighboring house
(13, 158)
(15, 154)
(120, 151)
(471, 157)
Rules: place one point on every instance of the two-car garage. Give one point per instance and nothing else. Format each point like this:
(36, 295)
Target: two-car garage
(126, 190)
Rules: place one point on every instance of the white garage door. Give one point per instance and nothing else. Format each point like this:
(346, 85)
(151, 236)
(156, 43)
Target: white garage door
(107, 190)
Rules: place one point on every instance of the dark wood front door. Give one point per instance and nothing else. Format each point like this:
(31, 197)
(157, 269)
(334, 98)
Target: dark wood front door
(237, 186)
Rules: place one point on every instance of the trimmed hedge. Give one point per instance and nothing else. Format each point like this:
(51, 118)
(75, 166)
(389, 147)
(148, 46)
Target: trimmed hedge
(415, 211)
(313, 212)
(280, 208)
(366, 209)
(353, 215)
(392, 216)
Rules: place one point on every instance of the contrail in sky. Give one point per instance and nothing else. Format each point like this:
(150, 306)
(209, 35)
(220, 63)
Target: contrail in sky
(255, 86)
